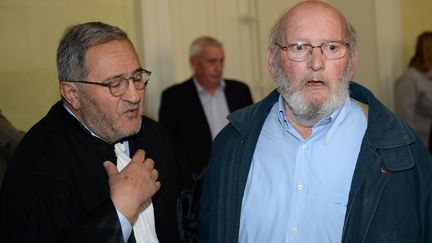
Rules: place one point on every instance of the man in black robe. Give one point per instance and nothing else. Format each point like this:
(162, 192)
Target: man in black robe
(62, 184)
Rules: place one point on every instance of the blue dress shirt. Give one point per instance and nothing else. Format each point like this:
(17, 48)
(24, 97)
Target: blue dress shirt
(297, 189)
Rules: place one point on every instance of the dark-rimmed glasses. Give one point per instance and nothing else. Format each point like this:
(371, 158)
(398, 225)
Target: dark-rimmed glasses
(300, 52)
(119, 85)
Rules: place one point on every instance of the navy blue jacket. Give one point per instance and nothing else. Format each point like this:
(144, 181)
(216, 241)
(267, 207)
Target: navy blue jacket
(390, 199)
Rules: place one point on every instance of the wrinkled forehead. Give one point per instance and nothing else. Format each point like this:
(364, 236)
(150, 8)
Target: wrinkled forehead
(313, 21)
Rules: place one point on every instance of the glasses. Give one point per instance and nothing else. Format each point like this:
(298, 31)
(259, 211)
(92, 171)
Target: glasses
(119, 85)
(300, 52)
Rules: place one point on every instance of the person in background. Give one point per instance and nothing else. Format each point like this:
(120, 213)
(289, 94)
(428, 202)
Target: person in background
(9, 139)
(195, 110)
(413, 90)
(72, 179)
(320, 159)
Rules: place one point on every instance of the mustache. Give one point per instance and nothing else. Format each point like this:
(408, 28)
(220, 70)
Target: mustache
(128, 107)
(311, 78)
(282, 77)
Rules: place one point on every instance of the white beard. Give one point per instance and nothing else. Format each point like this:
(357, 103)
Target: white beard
(308, 112)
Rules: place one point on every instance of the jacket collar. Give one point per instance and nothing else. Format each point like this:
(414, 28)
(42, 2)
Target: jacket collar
(244, 120)
(384, 129)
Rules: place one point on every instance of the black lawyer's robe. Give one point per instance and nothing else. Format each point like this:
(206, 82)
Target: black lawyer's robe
(56, 188)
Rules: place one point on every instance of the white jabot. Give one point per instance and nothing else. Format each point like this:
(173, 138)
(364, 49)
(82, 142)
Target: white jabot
(144, 227)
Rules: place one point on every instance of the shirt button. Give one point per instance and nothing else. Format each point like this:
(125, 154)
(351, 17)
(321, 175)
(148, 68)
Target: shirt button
(294, 230)
(304, 146)
(300, 187)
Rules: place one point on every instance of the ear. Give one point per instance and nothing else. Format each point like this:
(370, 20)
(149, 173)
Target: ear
(270, 65)
(192, 62)
(353, 68)
(70, 93)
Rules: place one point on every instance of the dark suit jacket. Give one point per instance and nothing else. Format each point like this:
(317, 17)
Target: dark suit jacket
(56, 188)
(182, 114)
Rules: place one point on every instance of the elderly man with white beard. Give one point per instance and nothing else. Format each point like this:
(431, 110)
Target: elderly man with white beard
(320, 159)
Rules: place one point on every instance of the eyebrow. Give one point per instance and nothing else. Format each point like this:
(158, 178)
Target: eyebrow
(321, 42)
(121, 75)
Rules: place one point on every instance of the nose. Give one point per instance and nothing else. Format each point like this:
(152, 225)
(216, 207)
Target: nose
(132, 94)
(316, 61)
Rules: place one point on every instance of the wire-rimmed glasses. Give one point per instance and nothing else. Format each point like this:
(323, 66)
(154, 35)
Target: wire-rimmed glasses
(119, 85)
(299, 52)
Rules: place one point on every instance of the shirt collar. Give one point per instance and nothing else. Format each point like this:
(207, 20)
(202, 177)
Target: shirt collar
(328, 123)
(201, 90)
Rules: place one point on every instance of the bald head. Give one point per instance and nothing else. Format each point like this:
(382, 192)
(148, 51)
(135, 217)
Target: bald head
(299, 17)
(295, 17)
(311, 6)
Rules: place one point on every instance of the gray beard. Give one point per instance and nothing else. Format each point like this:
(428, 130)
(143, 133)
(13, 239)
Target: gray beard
(308, 112)
(102, 125)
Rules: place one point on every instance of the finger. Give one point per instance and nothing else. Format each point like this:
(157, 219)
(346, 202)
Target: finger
(139, 156)
(149, 163)
(157, 186)
(155, 174)
(110, 168)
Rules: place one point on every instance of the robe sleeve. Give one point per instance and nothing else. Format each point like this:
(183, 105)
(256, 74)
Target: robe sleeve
(36, 208)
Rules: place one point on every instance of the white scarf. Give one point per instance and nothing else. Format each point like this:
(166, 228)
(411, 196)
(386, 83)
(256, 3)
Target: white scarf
(144, 227)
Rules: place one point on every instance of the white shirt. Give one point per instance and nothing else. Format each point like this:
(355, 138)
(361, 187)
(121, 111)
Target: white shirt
(215, 107)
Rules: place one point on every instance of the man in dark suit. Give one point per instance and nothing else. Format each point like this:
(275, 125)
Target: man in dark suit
(63, 185)
(195, 111)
